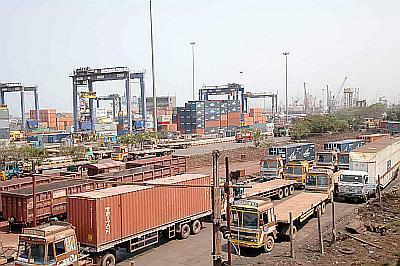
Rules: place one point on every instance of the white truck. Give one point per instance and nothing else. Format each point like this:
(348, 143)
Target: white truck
(378, 159)
(356, 185)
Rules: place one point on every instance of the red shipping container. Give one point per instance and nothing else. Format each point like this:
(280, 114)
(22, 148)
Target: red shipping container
(113, 214)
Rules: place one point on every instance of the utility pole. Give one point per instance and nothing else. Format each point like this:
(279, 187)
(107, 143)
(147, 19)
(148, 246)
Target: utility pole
(327, 98)
(153, 75)
(216, 212)
(193, 97)
(286, 91)
(228, 208)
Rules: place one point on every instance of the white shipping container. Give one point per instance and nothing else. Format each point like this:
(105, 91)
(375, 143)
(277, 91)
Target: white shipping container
(378, 158)
(105, 127)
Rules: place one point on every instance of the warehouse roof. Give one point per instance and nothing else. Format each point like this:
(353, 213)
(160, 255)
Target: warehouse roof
(376, 146)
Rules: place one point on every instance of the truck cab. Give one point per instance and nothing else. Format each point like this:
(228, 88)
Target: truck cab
(48, 244)
(297, 171)
(356, 185)
(244, 136)
(10, 170)
(343, 161)
(253, 223)
(327, 159)
(271, 167)
(320, 180)
(120, 154)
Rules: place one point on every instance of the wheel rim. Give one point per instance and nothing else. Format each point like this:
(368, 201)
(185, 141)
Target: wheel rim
(269, 244)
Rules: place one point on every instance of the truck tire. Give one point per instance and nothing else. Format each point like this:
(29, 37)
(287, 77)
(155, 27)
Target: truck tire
(286, 192)
(125, 159)
(185, 231)
(196, 227)
(108, 260)
(269, 243)
(291, 189)
(323, 207)
(280, 193)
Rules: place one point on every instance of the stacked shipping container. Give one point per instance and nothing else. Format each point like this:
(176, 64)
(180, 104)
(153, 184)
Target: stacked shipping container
(208, 117)
(4, 123)
(47, 118)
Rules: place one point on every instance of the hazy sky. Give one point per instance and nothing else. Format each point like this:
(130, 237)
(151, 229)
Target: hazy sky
(43, 41)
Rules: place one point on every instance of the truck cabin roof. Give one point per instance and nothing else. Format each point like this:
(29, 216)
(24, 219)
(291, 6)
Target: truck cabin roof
(50, 231)
(254, 203)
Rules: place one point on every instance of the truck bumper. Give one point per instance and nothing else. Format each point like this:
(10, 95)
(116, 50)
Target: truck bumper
(350, 195)
(246, 244)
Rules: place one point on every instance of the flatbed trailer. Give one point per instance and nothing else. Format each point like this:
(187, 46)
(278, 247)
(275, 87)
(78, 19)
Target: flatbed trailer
(277, 188)
(301, 206)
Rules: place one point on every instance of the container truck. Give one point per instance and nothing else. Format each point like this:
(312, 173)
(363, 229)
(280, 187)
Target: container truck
(343, 147)
(294, 152)
(355, 185)
(380, 158)
(296, 171)
(327, 159)
(134, 217)
(257, 222)
(271, 167)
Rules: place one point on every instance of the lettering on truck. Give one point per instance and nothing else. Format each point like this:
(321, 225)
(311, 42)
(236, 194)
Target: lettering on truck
(108, 220)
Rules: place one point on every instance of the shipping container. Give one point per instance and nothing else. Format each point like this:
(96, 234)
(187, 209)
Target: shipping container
(379, 158)
(134, 216)
(373, 137)
(344, 145)
(294, 152)
(51, 200)
(393, 127)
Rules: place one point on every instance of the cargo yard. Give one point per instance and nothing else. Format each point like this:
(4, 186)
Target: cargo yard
(117, 155)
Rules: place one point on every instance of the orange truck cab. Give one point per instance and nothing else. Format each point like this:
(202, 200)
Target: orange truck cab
(48, 244)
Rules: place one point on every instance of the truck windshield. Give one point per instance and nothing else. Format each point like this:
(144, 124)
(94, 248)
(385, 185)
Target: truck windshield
(245, 219)
(297, 170)
(317, 180)
(351, 178)
(271, 164)
(324, 158)
(31, 252)
(343, 158)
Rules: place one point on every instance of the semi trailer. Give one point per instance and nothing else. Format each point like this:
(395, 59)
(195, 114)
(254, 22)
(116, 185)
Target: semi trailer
(131, 217)
(257, 222)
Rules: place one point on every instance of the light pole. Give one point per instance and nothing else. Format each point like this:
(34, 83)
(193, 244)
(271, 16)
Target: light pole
(193, 43)
(153, 73)
(286, 100)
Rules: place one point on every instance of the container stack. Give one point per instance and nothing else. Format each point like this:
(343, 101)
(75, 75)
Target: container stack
(4, 123)
(208, 117)
(64, 121)
(47, 118)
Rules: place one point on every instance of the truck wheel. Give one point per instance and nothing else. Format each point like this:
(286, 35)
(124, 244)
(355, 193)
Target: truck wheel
(291, 190)
(185, 231)
(323, 207)
(280, 193)
(196, 227)
(108, 260)
(286, 192)
(269, 244)
(125, 159)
